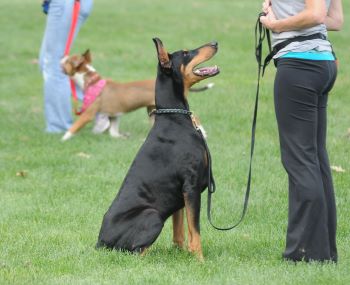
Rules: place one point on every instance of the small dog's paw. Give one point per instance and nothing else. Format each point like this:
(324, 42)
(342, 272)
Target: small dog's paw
(119, 135)
(66, 136)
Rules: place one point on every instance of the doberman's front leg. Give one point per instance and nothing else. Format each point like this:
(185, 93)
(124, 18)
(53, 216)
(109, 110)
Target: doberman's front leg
(178, 228)
(192, 205)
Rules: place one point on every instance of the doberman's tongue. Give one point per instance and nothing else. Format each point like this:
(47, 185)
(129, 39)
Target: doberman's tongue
(204, 71)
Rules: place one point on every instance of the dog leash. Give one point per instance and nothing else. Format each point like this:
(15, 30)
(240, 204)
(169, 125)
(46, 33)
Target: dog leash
(75, 16)
(260, 34)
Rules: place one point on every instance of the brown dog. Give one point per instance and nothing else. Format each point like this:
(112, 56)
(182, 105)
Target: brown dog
(106, 96)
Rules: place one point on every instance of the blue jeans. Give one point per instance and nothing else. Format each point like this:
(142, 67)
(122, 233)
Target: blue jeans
(57, 93)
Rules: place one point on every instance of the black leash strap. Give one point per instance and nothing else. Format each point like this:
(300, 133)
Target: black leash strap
(260, 34)
(283, 44)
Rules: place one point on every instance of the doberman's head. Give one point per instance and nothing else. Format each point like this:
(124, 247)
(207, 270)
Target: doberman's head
(178, 71)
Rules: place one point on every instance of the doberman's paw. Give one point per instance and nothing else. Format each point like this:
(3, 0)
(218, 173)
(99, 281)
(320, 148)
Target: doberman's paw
(179, 245)
(199, 256)
(144, 251)
(197, 252)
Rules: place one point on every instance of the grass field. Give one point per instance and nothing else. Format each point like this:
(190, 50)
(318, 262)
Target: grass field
(50, 216)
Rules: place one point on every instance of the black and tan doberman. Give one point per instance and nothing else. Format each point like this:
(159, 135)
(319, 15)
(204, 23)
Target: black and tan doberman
(170, 170)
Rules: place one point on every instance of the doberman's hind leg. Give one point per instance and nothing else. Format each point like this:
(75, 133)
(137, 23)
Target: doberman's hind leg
(178, 229)
(135, 234)
(144, 251)
(192, 205)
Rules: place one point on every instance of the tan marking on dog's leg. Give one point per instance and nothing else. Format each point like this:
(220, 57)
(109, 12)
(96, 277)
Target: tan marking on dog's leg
(199, 125)
(194, 238)
(178, 228)
(83, 119)
(151, 118)
(144, 251)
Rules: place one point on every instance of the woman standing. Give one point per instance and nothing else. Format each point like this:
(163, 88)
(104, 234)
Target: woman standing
(306, 72)
(57, 91)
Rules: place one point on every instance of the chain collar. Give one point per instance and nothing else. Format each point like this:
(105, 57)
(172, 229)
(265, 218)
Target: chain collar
(170, 111)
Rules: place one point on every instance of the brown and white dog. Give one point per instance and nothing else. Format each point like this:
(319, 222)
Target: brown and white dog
(107, 97)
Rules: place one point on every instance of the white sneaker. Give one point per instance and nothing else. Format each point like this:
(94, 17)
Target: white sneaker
(102, 123)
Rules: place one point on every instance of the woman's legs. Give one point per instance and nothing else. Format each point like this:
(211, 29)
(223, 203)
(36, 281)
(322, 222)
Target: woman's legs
(327, 176)
(299, 94)
(324, 162)
(56, 85)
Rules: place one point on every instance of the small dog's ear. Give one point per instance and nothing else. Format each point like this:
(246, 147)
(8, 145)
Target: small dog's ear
(163, 55)
(87, 56)
(77, 62)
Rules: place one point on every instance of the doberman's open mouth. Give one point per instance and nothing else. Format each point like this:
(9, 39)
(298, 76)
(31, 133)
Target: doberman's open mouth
(207, 71)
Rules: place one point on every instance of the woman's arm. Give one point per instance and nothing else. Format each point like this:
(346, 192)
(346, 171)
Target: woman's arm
(334, 20)
(315, 13)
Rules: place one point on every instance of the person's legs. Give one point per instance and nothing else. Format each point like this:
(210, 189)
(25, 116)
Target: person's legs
(297, 87)
(324, 162)
(56, 85)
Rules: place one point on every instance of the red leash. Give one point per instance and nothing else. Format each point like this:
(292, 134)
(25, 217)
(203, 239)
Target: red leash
(75, 16)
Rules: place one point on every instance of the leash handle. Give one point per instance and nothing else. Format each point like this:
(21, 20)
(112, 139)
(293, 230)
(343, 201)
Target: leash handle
(75, 15)
(260, 34)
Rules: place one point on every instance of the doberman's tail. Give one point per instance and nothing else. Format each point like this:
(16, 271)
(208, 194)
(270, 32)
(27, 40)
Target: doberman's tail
(200, 89)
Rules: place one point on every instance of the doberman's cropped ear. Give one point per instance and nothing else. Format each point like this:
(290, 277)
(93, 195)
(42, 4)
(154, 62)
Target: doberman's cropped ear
(163, 55)
(87, 56)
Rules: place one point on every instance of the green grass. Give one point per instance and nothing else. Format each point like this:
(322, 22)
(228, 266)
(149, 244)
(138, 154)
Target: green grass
(50, 218)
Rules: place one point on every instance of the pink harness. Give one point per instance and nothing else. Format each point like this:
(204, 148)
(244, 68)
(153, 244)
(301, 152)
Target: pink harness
(91, 93)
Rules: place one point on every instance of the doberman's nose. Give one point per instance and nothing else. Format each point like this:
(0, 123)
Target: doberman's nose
(214, 44)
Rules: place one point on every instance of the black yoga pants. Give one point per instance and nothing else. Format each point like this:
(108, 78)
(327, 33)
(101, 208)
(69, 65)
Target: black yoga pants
(301, 93)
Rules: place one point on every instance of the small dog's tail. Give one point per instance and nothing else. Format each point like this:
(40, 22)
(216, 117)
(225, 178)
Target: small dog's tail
(200, 89)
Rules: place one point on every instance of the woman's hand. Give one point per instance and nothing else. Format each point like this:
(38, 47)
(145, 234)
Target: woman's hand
(265, 5)
(335, 18)
(314, 14)
(269, 21)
